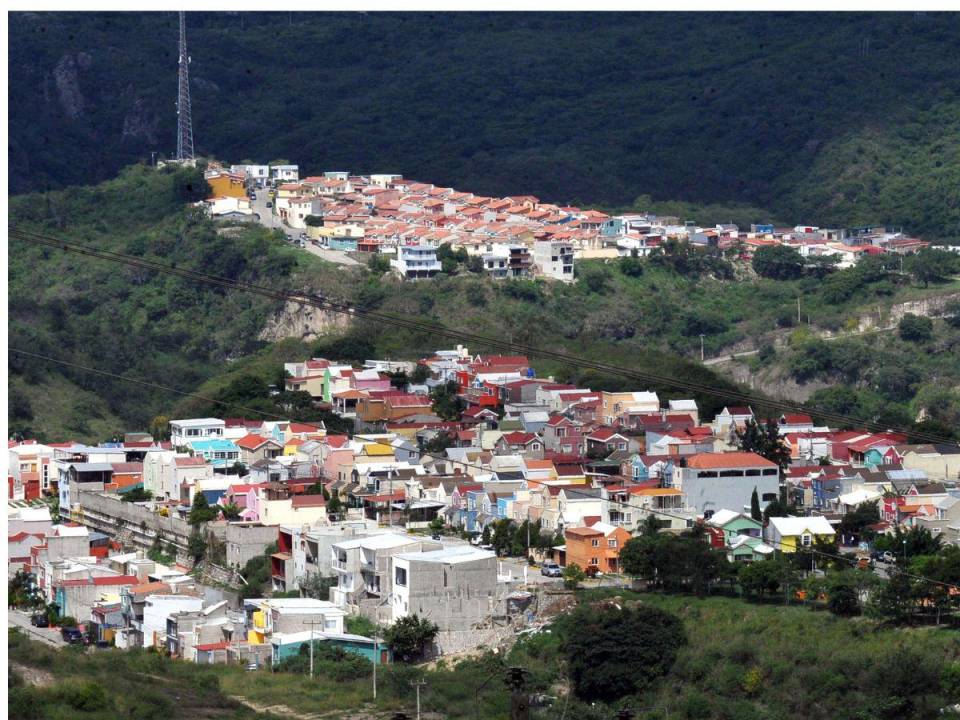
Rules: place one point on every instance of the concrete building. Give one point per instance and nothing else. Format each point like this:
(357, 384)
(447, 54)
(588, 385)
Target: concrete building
(714, 481)
(363, 569)
(246, 541)
(416, 261)
(453, 587)
(183, 432)
(554, 259)
(188, 628)
(284, 173)
(266, 616)
(156, 610)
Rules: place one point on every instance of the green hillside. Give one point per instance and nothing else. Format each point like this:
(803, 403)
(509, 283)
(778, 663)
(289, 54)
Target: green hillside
(645, 315)
(820, 118)
(742, 661)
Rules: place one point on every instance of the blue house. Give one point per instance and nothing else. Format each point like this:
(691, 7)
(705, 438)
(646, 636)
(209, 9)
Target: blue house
(286, 645)
(648, 467)
(342, 243)
(222, 454)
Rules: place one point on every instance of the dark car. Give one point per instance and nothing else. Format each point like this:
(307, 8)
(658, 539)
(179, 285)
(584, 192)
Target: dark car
(39, 620)
(72, 635)
(269, 204)
(551, 570)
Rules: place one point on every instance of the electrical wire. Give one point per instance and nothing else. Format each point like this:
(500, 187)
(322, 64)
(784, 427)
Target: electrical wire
(338, 306)
(435, 456)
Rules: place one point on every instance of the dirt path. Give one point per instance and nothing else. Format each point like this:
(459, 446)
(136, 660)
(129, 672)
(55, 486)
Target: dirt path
(32, 675)
(283, 711)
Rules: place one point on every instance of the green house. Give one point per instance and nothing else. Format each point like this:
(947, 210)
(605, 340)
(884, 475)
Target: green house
(285, 645)
(734, 524)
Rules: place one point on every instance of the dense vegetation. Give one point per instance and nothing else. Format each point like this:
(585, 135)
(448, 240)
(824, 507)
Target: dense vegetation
(156, 328)
(640, 313)
(831, 119)
(741, 660)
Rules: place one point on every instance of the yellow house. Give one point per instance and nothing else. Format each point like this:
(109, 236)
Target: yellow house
(788, 534)
(614, 404)
(224, 184)
(375, 452)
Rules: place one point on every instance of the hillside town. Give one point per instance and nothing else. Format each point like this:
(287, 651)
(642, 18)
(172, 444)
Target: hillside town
(468, 493)
(510, 237)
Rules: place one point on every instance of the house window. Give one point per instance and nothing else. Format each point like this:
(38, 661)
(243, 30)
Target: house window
(611, 543)
(329, 624)
(400, 578)
(806, 540)
(595, 543)
(769, 497)
(594, 561)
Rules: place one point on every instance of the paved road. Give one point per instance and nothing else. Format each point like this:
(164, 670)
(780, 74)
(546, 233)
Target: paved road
(21, 620)
(516, 568)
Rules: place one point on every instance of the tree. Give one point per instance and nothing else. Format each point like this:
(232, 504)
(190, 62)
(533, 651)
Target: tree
(573, 575)
(915, 328)
(378, 264)
(631, 265)
(894, 601)
(316, 586)
(313, 221)
(160, 428)
(439, 442)
(856, 521)
(137, 494)
(778, 262)
(420, 374)
(334, 504)
(446, 402)
(931, 265)
(755, 511)
(951, 313)
(410, 636)
(200, 511)
(601, 640)
(230, 511)
(197, 545)
(595, 278)
(767, 576)
(764, 439)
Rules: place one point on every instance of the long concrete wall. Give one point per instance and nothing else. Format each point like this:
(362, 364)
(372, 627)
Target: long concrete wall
(133, 523)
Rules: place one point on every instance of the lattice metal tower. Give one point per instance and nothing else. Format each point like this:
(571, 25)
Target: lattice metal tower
(184, 119)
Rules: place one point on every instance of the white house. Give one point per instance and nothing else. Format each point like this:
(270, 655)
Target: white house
(284, 173)
(554, 259)
(416, 261)
(186, 431)
(156, 610)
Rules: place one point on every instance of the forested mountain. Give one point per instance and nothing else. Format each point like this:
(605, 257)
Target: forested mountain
(821, 118)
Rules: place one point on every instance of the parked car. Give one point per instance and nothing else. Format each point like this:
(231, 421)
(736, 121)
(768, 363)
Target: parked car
(888, 557)
(303, 236)
(39, 620)
(72, 635)
(269, 204)
(253, 196)
(551, 569)
(592, 571)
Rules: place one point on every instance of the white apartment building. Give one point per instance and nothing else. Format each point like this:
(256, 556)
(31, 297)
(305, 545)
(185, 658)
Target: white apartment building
(554, 259)
(183, 432)
(416, 261)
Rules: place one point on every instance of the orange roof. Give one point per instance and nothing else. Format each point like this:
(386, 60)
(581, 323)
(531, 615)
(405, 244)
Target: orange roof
(539, 465)
(582, 531)
(654, 492)
(251, 441)
(712, 461)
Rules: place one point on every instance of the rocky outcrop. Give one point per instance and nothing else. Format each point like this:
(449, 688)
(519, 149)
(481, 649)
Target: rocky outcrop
(66, 75)
(140, 124)
(305, 323)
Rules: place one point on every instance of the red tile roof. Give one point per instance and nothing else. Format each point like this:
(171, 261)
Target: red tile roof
(710, 461)
(207, 647)
(189, 461)
(108, 580)
(252, 442)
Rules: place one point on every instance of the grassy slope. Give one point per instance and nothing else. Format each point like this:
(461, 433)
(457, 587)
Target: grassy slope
(789, 112)
(147, 326)
(805, 665)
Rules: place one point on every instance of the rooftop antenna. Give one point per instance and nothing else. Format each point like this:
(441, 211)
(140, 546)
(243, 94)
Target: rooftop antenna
(184, 120)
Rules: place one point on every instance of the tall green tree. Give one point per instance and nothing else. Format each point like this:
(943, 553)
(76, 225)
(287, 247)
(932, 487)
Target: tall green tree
(755, 511)
(765, 440)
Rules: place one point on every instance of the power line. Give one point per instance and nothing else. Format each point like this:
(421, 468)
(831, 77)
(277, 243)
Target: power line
(435, 456)
(338, 306)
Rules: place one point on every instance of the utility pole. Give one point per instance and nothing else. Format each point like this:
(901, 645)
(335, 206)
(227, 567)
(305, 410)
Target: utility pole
(701, 347)
(798, 310)
(519, 702)
(417, 684)
(311, 623)
(376, 661)
(184, 119)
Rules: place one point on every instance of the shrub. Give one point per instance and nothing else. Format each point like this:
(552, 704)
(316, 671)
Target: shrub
(915, 328)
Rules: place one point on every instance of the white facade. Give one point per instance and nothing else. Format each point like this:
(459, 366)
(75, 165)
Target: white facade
(157, 608)
(284, 173)
(554, 259)
(257, 173)
(416, 261)
(186, 431)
